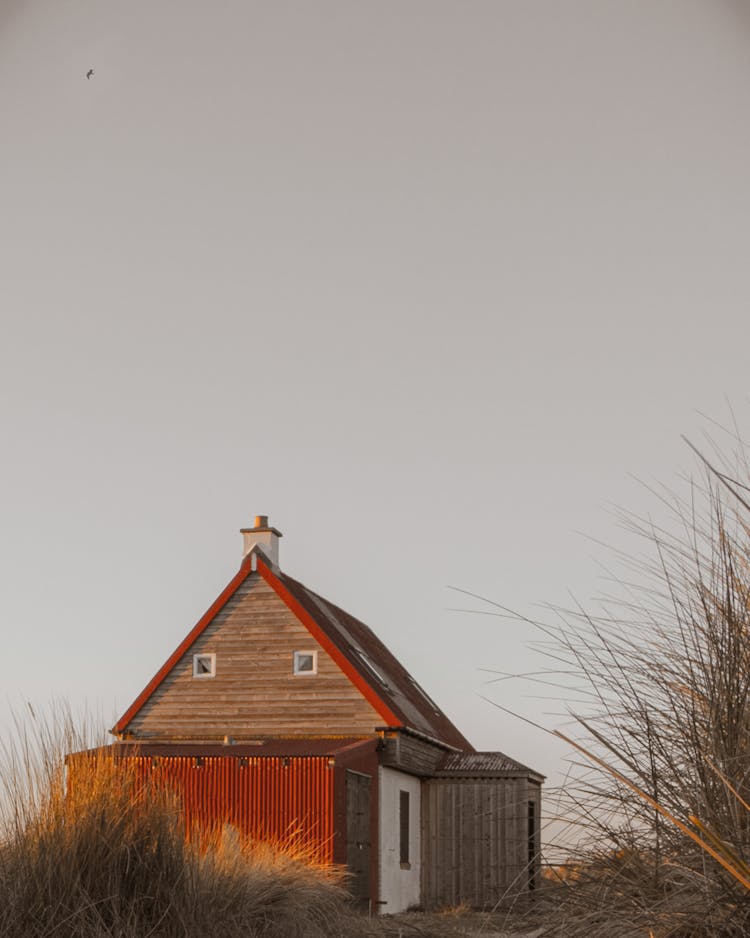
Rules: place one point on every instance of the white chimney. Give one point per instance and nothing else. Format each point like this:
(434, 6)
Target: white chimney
(262, 534)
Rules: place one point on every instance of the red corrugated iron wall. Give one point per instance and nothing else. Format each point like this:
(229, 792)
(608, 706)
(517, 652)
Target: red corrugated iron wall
(281, 800)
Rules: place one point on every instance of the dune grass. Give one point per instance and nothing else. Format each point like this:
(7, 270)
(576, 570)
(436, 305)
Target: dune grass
(86, 852)
(657, 797)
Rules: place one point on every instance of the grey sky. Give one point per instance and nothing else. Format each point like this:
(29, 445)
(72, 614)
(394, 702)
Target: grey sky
(423, 281)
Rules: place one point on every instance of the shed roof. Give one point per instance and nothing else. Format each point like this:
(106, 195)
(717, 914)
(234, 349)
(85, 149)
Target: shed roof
(482, 765)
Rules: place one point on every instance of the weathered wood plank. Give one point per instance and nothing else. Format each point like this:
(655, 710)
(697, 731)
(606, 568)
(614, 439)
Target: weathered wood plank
(475, 840)
(255, 692)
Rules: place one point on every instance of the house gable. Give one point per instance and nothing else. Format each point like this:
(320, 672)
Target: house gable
(366, 672)
(254, 692)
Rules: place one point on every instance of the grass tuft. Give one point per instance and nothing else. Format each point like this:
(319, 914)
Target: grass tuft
(659, 790)
(88, 850)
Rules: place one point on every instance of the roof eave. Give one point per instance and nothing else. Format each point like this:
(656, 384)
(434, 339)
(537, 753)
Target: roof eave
(417, 734)
(272, 575)
(202, 624)
(529, 774)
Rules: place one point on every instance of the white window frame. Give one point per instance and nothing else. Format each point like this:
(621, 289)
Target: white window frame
(295, 664)
(202, 676)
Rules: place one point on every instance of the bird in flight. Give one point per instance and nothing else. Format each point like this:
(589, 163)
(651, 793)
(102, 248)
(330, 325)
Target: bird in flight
(89, 73)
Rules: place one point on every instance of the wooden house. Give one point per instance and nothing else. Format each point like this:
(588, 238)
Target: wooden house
(285, 716)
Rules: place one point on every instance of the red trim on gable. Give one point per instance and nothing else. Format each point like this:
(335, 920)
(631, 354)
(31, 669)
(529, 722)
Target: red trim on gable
(322, 638)
(229, 590)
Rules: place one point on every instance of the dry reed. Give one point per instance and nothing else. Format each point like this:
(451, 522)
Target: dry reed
(88, 851)
(659, 799)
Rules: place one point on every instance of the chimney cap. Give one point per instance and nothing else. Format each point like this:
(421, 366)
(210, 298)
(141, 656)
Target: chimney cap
(261, 525)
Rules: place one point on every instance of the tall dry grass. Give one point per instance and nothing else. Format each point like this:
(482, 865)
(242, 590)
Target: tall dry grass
(97, 854)
(658, 797)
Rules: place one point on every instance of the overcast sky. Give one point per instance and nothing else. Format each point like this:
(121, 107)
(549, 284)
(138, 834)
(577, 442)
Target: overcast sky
(426, 282)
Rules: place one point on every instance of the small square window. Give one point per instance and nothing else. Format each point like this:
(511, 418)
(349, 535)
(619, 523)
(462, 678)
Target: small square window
(204, 665)
(305, 662)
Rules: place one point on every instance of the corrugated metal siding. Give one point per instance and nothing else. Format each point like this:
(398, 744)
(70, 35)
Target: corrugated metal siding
(288, 801)
(474, 840)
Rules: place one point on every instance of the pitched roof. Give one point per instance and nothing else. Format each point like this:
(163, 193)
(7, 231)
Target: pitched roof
(374, 662)
(380, 677)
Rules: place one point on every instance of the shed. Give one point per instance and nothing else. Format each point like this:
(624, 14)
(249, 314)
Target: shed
(287, 717)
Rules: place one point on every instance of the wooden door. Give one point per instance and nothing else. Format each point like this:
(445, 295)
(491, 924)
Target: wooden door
(358, 834)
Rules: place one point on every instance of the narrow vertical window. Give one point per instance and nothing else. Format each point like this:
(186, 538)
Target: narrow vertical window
(403, 828)
(532, 844)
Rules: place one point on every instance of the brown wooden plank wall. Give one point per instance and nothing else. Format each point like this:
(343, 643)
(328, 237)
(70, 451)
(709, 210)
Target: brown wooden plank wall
(474, 840)
(410, 753)
(255, 692)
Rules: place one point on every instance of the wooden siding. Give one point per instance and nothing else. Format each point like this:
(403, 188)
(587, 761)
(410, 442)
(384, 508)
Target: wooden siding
(363, 759)
(410, 754)
(475, 845)
(254, 692)
(358, 839)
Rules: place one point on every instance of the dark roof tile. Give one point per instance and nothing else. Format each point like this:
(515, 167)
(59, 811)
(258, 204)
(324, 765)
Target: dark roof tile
(375, 663)
(480, 764)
